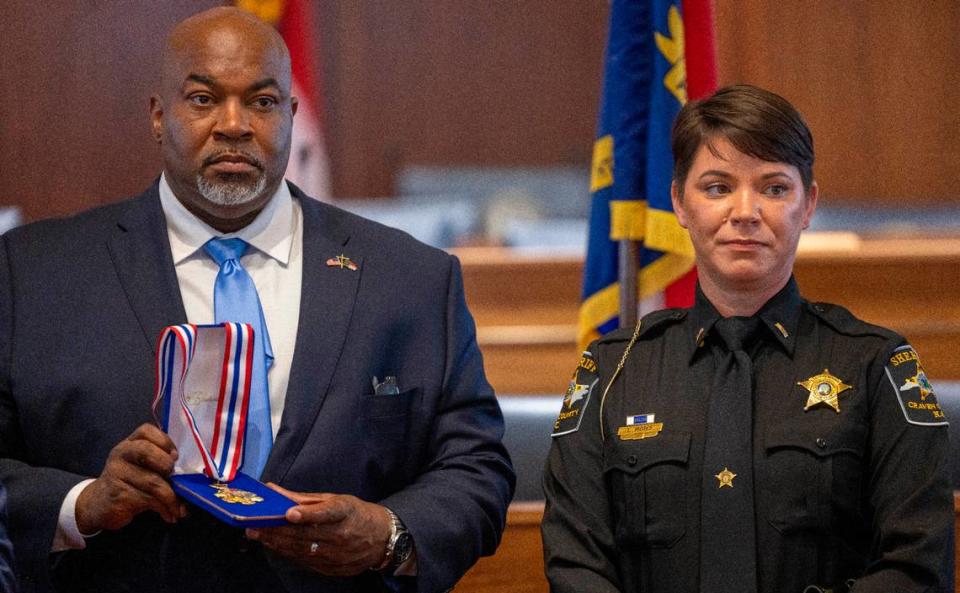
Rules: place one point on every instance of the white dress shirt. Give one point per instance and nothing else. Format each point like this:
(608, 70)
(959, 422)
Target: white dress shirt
(274, 261)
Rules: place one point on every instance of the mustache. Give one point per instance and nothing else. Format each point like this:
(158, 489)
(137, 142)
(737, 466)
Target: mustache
(232, 156)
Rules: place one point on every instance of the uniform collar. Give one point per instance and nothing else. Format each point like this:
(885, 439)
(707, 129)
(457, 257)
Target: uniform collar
(271, 232)
(780, 315)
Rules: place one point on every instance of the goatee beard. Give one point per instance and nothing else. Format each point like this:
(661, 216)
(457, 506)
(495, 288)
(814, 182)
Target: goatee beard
(230, 193)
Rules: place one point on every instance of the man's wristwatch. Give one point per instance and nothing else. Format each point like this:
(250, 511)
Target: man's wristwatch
(399, 546)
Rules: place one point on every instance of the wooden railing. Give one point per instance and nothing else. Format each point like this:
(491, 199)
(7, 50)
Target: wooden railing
(517, 567)
(526, 308)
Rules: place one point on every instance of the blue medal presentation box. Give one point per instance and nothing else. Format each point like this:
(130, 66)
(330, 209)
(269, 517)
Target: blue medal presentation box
(243, 502)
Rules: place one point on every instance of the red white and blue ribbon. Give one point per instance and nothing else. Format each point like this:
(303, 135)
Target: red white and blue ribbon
(221, 450)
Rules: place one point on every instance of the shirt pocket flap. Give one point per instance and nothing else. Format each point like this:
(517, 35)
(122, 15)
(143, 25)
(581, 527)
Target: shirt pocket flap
(636, 456)
(818, 443)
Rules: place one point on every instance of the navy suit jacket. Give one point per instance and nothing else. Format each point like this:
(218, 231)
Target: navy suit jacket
(7, 582)
(82, 303)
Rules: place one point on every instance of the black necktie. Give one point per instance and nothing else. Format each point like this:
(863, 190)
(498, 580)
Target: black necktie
(728, 550)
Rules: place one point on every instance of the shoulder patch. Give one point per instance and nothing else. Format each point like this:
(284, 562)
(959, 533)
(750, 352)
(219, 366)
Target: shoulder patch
(913, 390)
(577, 396)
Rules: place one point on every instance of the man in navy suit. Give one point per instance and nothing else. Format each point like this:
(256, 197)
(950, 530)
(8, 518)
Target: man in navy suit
(397, 489)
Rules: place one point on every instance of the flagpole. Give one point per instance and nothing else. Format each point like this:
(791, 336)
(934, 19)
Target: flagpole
(629, 250)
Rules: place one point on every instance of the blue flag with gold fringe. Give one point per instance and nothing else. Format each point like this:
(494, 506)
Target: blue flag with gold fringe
(644, 87)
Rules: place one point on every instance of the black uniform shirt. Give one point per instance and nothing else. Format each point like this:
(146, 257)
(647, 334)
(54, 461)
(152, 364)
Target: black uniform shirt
(850, 458)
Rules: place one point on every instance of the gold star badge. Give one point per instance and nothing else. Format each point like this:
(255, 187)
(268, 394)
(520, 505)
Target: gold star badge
(824, 389)
(726, 478)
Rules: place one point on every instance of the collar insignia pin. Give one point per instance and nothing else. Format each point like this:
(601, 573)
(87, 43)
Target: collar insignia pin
(699, 338)
(781, 329)
(342, 262)
(824, 389)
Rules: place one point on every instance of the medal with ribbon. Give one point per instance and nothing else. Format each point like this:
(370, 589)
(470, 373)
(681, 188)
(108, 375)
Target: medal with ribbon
(203, 384)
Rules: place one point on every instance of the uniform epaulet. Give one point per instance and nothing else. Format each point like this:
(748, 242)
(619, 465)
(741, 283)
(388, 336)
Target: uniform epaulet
(651, 322)
(618, 335)
(844, 322)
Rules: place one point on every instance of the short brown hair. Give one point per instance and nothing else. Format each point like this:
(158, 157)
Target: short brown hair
(755, 121)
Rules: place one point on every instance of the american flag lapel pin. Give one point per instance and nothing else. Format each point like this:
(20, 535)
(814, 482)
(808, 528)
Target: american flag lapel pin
(343, 262)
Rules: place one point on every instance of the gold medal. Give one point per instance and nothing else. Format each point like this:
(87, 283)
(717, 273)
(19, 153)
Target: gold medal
(235, 495)
(824, 389)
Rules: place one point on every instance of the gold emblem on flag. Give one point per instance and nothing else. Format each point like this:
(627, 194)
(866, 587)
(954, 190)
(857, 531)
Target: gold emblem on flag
(601, 170)
(268, 10)
(235, 495)
(824, 389)
(672, 49)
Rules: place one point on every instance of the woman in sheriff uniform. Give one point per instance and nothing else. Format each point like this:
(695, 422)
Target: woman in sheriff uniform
(757, 441)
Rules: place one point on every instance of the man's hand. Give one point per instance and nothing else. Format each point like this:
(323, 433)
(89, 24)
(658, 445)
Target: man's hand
(334, 534)
(134, 480)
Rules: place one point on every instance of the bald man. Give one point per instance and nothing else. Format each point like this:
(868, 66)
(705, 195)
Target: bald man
(400, 489)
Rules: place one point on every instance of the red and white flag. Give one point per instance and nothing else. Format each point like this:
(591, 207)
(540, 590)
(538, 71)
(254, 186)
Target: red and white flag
(309, 167)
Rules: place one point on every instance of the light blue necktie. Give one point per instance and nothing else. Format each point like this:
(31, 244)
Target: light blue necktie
(235, 299)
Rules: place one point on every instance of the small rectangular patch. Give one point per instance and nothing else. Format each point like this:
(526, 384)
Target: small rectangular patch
(638, 432)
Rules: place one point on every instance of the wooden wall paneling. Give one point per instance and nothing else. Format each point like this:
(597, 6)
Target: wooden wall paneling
(77, 77)
(485, 84)
(526, 309)
(876, 81)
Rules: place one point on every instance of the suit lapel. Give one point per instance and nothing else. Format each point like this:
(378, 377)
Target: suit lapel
(327, 298)
(140, 250)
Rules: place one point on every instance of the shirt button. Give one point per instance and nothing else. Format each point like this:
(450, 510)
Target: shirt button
(821, 442)
(632, 460)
